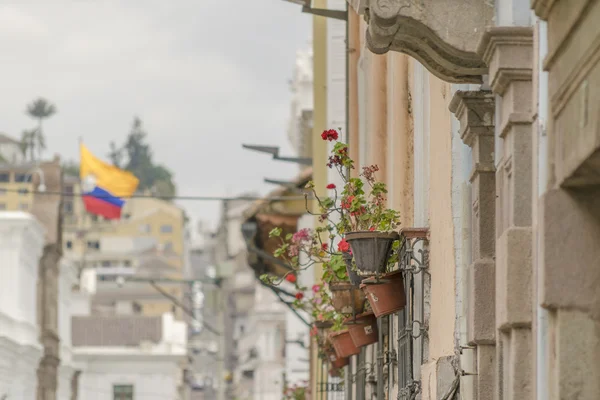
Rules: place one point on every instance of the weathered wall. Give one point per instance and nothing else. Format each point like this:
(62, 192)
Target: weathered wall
(47, 208)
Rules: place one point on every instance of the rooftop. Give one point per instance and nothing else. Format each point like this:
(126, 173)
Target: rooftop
(115, 331)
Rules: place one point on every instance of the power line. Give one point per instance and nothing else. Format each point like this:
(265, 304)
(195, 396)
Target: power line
(192, 198)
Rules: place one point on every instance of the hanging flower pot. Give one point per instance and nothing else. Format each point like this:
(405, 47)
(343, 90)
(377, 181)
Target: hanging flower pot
(343, 344)
(334, 359)
(371, 250)
(347, 299)
(355, 279)
(363, 329)
(335, 372)
(386, 296)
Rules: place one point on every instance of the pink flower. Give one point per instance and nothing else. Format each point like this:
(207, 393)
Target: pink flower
(316, 288)
(301, 235)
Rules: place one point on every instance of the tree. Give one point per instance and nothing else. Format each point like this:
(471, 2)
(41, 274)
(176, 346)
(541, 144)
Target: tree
(27, 143)
(39, 109)
(136, 156)
(71, 168)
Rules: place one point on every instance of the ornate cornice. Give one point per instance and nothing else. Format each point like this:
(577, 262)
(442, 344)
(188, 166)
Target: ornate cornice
(440, 34)
(508, 53)
(475, 111)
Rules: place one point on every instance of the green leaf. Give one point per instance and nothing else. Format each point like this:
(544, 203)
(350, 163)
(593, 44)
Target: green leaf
(275, 232)
(289, 236)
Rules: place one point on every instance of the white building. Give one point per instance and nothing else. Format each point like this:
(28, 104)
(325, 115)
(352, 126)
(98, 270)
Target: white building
(301, 107)
(21, 243)
(68, 278)
(10, 150)
(127, 356)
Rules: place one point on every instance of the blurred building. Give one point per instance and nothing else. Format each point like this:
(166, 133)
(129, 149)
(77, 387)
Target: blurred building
(10, 150)
(35, 188)
(128, 357)
(148, 241)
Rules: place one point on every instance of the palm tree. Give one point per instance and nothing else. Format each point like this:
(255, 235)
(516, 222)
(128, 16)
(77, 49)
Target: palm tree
(40, 109)
(27, 143)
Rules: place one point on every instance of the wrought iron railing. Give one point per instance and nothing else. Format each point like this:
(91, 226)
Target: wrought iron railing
(412, 326)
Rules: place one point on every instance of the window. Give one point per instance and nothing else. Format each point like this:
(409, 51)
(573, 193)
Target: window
(69, 244)
(144, 228)
(23, 192)
(166, 229)
(2, 192)
(93, 244)
(5, 177)
(106, 263)
(23, 206)
(123, 392)
(68, 207)
(127, 263)
(69, 189)
(22, 178)
(168, 246)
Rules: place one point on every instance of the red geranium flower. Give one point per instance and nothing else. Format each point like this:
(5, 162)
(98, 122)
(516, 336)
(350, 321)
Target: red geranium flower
(330, 134)
(291, 278)
(343, 246)
(347, 202)
(324, 246)
(299, 295)
(331, 186)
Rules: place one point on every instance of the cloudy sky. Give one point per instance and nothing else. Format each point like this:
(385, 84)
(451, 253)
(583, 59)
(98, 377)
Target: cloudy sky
(204, 77)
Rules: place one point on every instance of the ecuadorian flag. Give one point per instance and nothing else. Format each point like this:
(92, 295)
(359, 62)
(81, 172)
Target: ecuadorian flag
(105, 187)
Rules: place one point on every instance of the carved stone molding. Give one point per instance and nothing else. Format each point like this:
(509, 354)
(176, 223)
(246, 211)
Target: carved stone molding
(441, 34)
(542, 7)
(508, 52)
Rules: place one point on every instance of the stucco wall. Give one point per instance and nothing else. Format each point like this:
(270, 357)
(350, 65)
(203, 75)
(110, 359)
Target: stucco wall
(442, 264)
(151, 379)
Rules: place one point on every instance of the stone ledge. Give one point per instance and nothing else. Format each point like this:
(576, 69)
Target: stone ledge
(441, 34)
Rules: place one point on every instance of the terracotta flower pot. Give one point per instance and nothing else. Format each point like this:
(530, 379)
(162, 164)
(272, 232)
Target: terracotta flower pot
(371, 250)
(387, 296)
(346, 298)
(334, 360)
(355, 279)
(363, 329)
(343, 344)
(334, 372)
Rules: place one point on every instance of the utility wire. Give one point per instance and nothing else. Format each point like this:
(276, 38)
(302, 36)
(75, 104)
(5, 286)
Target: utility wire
(147, 196)
(186, 310)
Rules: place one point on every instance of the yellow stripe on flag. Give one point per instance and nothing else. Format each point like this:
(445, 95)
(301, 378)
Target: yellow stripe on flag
(114, 180)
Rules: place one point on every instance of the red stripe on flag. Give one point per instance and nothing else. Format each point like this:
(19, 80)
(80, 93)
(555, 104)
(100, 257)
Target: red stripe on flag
(100, 207)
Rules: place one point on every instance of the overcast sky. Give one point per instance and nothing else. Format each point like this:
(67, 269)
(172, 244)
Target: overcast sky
(204, 77)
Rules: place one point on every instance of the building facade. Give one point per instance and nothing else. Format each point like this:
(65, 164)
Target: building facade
(22, 241)
(480, 116)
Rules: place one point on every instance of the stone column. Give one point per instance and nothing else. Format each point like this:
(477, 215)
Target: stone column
(508, 52)
(475, 111)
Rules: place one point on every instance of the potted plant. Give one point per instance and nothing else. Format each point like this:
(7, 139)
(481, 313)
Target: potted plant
(368, 226)
(343, 344)
(363, 329)
(386, 296)
(306, 248)
(296, 392)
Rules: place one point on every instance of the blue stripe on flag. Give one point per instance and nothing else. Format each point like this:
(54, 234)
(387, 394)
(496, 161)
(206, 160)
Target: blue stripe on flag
(104, 195)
